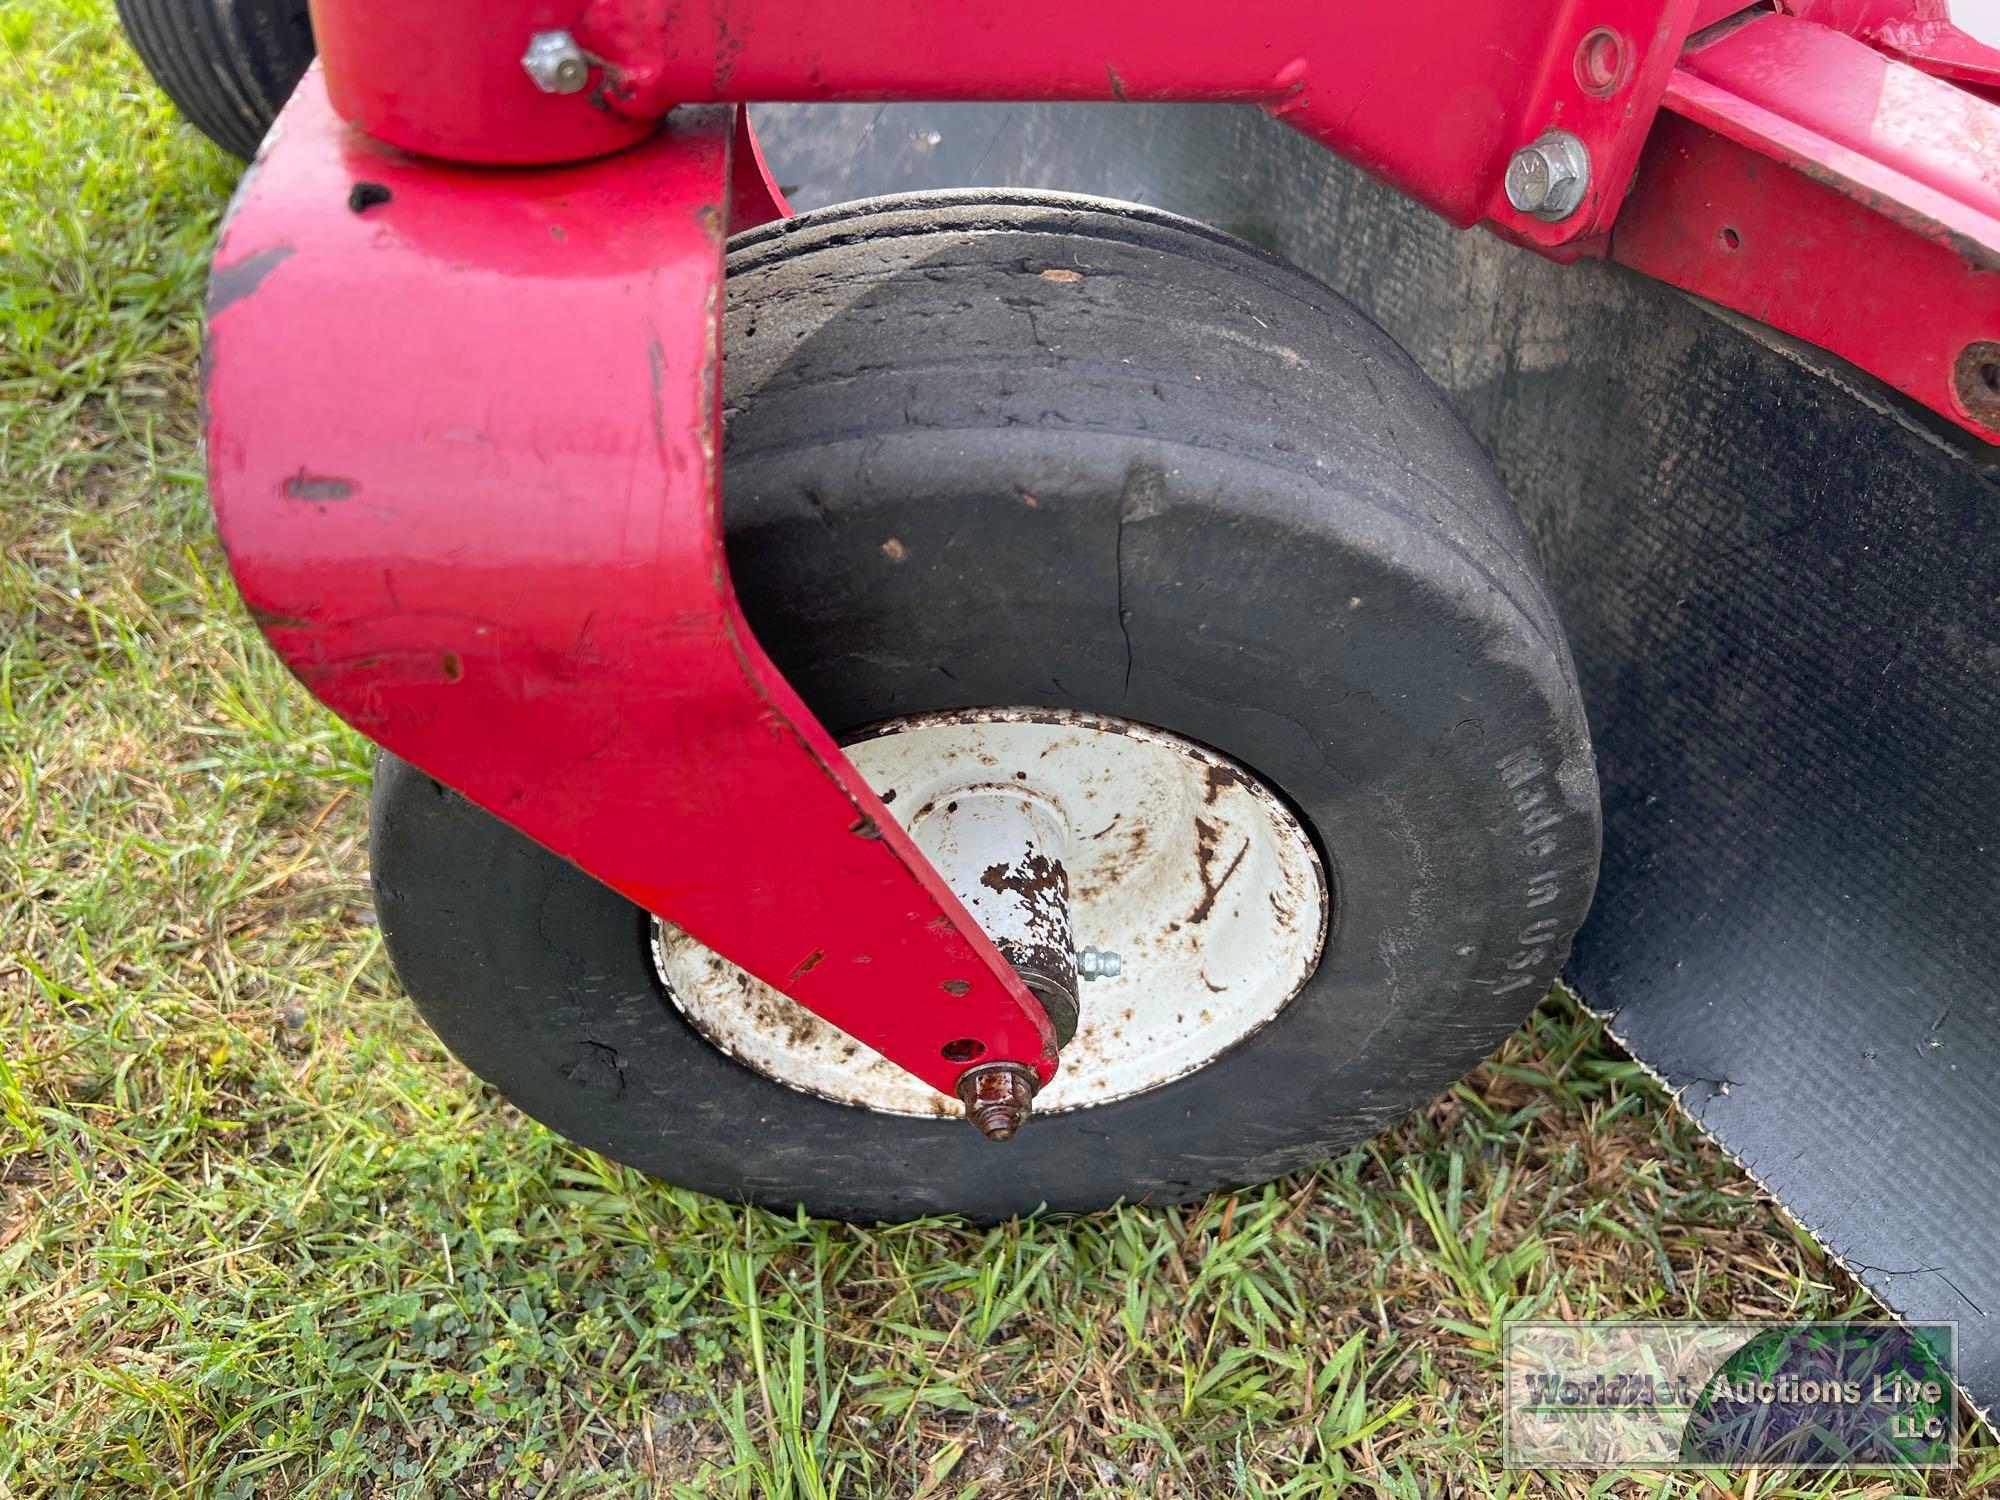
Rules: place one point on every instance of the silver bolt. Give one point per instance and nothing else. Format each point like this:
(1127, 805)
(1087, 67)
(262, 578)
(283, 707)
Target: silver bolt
(1098, 963)
(556, 63)
(1549, 178)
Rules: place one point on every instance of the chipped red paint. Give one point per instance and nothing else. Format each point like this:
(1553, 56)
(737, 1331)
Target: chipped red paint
(462, 454)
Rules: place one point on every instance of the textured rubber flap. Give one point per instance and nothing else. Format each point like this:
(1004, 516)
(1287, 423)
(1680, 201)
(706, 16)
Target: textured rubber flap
(1784, 598)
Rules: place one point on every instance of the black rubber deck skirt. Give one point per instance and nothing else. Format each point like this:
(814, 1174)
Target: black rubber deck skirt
(1781, 589)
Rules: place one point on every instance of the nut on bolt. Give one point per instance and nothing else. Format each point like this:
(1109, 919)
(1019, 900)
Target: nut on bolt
(997, 1098)
(556, 63)
(1549, 178)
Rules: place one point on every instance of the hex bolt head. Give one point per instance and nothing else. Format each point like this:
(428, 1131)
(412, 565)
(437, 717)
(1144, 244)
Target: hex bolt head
(1549, 178)
(556, 63)
(1098, 963)
(997, 1098)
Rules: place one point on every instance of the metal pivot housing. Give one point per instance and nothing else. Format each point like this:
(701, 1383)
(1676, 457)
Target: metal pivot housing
(1000, 848)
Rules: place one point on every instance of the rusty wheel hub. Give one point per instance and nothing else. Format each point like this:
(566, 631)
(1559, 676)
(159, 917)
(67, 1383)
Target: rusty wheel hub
(1194, 896)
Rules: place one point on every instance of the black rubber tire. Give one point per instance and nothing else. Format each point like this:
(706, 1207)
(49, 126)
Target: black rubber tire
(228, 65)
(1134, 466)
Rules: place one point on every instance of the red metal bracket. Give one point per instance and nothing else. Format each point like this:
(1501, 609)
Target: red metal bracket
(461, 432)
(1432, 96)
(1839, 195)
(1822, 175)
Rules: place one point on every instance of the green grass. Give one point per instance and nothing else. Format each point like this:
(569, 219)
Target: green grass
(259, 1235)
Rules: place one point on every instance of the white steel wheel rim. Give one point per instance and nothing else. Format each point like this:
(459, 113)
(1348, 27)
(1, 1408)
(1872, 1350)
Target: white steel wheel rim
(1180, 861)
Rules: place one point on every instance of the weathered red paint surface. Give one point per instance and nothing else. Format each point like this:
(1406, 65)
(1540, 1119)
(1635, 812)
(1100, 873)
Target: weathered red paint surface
(1919, 32)
(462, 454)
(1432, 96)
(1805, 179)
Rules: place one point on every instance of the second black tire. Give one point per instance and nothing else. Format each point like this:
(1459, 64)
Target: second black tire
(1130, 465)
(228, 65)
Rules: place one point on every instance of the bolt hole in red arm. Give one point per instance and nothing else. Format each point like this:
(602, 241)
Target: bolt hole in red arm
(497, 550)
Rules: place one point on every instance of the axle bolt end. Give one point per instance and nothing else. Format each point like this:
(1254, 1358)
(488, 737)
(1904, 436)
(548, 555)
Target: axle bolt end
(556, 63)
(1549, 178)
(997, 1098)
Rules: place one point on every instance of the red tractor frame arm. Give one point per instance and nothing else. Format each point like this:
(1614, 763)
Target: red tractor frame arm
(1433, 96)
(462, 432)
(463, 419)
